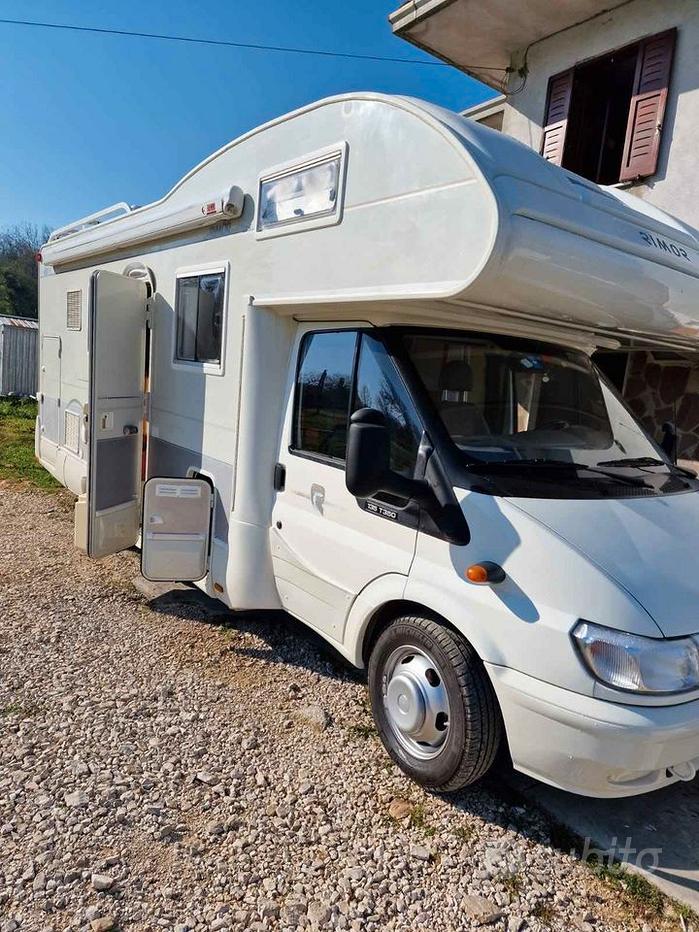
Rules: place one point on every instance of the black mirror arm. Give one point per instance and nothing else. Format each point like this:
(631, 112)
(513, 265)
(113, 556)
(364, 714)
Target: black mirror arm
(417, 490)
(669, 442)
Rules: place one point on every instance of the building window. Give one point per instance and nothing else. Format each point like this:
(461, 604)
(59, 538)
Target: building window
(199, 313)
(323, 391)
(604, 117)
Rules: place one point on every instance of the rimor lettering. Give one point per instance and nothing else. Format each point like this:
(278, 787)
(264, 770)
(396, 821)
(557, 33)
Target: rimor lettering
(657, 243)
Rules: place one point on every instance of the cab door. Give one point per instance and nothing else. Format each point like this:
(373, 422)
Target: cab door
(326, 545)
(110, 517)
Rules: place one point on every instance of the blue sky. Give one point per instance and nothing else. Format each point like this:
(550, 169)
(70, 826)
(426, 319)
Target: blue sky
(87, 120)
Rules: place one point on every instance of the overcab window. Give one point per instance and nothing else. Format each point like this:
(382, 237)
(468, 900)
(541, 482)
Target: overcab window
(199, 313)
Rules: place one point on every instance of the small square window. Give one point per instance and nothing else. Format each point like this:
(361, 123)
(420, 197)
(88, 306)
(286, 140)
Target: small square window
(199, 313)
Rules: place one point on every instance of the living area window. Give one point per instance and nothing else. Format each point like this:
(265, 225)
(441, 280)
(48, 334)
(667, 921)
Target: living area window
(200, 299)
(604, 117)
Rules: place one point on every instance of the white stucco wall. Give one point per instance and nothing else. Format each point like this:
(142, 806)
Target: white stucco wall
(675, 186)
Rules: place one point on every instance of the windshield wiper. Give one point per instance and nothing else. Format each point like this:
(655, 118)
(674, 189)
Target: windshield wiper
(643, 461)
(634, 461)
(624, 480)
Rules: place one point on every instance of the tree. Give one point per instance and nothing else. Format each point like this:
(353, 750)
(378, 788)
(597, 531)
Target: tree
(18, 273)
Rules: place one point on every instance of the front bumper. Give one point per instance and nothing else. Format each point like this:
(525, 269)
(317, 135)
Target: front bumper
(591, 746)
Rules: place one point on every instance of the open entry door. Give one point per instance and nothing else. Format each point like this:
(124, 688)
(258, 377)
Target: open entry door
(115, 413)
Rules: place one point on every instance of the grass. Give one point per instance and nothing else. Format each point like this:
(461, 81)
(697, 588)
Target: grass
(464, 833)
(545, 912)
(643, 891)
(635, 888)
(17, 461)
(362, 731)
(16, 708)
(418, 820)
(512, 883)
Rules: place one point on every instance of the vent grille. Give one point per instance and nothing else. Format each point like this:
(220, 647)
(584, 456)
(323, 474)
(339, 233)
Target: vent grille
(72, 431)
(74, 310)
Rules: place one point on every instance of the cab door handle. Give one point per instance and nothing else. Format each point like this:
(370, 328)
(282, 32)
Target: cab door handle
(318, 497)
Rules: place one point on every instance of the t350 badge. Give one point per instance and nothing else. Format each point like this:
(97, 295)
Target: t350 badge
(377, 509)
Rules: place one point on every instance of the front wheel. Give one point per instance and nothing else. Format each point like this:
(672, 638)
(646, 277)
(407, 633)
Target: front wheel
(433, 704)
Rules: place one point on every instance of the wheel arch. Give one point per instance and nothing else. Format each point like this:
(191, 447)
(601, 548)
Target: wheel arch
(388, 612)
(385, 599)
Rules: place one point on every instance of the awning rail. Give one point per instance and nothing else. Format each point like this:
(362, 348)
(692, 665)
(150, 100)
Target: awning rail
(107, 213)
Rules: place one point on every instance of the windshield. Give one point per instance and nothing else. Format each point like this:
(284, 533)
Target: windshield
(510, 407)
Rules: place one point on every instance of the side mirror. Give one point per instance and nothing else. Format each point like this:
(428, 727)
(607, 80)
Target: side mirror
(368, 453)
(368, 467)
(669, 442)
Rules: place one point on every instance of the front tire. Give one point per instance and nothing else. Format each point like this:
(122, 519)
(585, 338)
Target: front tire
(433, 704)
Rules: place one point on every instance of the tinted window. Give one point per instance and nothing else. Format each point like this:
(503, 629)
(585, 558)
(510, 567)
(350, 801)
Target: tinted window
(379, 386)
(323, 393)
(199, 310)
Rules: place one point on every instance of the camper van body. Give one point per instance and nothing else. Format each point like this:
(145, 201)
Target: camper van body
(351, 227)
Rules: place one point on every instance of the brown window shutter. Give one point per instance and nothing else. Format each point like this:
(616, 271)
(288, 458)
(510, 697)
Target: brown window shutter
(556, 123)
(647, 109)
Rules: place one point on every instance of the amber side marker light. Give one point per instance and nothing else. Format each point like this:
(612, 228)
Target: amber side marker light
(486, 573)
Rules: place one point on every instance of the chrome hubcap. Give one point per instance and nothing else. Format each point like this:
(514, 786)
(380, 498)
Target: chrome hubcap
(416, 702)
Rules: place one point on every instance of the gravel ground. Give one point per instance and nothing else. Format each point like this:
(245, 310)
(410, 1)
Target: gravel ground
(166, 765)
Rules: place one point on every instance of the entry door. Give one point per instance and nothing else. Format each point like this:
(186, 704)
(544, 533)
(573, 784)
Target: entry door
(117, 346)
(326, 545)
(50, 388)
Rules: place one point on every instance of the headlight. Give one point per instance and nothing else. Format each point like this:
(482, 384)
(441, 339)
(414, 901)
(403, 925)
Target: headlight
(639, 664)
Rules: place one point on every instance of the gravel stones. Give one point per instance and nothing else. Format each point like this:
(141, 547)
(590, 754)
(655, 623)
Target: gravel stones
(149, 779)
(77, 800)
(481, 910)
(420, 852)
(102, 924)
(315, 715)
(101, 882)
(399, 809)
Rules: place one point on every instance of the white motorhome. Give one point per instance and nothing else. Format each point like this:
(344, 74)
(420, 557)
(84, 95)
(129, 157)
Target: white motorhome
(344, 369)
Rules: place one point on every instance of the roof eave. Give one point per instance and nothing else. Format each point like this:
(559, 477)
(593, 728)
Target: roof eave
(412, 13)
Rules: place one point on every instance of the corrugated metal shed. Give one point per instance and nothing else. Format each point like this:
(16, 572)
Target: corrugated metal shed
(18, 355)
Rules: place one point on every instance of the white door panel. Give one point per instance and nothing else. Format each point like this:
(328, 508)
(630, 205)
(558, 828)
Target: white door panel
(50, 388)
(115, 412)
(176, 529)
(326, 548)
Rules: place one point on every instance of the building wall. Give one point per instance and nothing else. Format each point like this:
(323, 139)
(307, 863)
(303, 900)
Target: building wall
(674, 187)
(658, 391)
(18, 359)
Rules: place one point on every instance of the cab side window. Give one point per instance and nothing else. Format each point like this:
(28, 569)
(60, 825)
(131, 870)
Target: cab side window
(380, 386)
(323, 391)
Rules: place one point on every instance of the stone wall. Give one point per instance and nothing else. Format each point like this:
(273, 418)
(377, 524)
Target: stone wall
(658, 391)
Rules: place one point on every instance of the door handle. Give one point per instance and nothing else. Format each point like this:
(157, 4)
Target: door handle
(317, 497)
